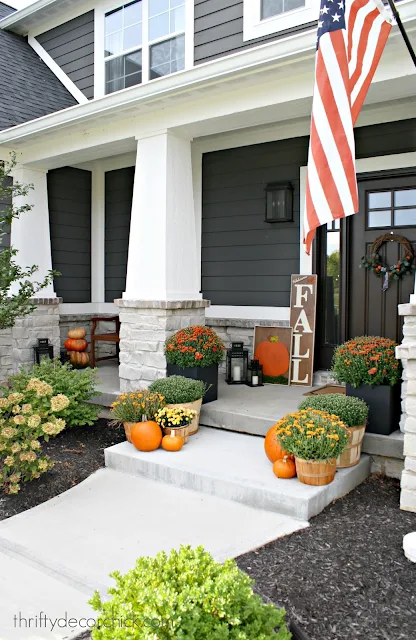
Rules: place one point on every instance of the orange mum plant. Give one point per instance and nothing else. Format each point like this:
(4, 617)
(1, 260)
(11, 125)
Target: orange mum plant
(367, 360)
(195, 346)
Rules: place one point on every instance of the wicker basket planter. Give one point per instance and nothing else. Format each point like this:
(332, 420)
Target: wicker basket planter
(128, 426)
(316, 472)
(193, 406)
(352, 453)
(182, 432)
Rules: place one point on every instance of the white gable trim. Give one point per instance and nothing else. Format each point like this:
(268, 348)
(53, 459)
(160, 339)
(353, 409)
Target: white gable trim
(56, 69)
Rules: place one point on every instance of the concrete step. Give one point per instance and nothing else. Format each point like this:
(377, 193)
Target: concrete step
(234, 466)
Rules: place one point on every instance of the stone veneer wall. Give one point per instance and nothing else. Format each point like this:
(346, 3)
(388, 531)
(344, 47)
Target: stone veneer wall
(145, 326)
(407, 353)
(16, 344)
(84, 321)
(240, 330)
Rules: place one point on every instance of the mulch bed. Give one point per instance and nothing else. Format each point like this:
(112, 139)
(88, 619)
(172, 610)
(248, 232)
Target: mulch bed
(345, 577)
(77, 452)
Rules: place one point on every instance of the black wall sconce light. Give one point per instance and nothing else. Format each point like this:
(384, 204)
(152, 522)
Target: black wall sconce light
(279, 202)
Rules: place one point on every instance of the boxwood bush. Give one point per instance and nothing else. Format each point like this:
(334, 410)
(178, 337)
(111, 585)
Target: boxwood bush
(352, 411)
(186, 594)
(178, 389)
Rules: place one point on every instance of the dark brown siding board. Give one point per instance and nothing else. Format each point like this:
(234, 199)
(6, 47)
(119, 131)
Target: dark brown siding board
(69, 198)
(118, 200)
(71, 45)
(219, 29)
(246, 261)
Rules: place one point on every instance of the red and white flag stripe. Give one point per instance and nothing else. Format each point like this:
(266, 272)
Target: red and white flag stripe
(351, 40)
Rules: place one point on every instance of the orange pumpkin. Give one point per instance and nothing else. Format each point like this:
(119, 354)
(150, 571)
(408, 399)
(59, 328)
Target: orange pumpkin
(146, 436)
(79, 358)
(272, 446)
(75, 345)
(274, 356)
(284, 468)
(172, 442)
(77, 334)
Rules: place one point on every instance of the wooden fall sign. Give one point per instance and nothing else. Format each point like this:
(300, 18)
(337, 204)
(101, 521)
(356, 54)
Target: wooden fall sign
(303, 320)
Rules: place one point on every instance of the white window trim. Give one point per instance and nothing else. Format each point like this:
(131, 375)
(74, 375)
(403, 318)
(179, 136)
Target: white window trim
(255, 27)
(99, 39)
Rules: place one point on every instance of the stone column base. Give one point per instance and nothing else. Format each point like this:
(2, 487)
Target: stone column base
(42, 323)
(407, 354)
(145, 326)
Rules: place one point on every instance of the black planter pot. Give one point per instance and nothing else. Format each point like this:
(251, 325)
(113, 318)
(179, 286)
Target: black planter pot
(209, 375)
(384, 406)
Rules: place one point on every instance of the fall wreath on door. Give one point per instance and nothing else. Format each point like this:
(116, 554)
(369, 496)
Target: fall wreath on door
(390, 272)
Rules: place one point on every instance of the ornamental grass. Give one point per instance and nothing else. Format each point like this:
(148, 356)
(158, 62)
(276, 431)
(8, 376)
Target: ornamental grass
(311, 434)
(367, 360)
(195, 346)
(25, 418)
(137, 406)
(174, 418)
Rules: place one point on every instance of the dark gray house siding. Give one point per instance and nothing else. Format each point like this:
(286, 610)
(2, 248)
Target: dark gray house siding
(69, 198)
(4, 203)
(118, 200)
(245, 260)
(219, 29)
(71, 45)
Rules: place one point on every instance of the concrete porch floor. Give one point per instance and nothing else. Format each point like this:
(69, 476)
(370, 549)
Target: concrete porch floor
(254, 411)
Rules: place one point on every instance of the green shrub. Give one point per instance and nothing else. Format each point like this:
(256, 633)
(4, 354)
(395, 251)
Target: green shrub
(352, 411)
(79, 386)
(178, 389)
(186, 595)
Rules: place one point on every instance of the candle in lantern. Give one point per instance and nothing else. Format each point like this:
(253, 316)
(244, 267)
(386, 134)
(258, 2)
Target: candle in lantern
(237, 373)
(255, 381)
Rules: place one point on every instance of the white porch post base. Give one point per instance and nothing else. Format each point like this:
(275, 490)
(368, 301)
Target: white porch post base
(145, 326)
(30, 233)
(407, 354)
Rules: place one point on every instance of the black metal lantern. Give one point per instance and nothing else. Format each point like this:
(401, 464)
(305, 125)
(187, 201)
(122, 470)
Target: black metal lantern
(255, 374)
(279, 202)
(237, 364)
(43, 350)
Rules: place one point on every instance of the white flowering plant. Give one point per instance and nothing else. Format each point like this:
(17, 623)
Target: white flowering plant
(25, 417)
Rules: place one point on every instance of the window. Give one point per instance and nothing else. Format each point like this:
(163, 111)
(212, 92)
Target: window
(143, 30)
(123, 35)
(270, 8)
(266, 17)
(391, 208)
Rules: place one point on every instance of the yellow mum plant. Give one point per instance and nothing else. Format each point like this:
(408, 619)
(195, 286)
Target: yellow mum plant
(174, 418)
(311, 434)
(137, 406)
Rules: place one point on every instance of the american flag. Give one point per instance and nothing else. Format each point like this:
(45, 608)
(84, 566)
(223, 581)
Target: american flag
(351, 38)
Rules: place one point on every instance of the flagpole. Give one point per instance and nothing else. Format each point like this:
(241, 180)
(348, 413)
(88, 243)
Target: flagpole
(402, 31)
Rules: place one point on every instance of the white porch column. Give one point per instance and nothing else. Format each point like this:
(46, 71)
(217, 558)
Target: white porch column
(30, 233)
(163, 275)
(162, 263)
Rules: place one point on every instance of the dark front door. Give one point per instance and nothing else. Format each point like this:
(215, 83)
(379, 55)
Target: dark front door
(351, 301)
(386, 205)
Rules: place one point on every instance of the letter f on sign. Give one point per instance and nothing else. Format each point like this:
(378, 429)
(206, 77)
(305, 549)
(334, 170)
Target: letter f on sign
(300, 295)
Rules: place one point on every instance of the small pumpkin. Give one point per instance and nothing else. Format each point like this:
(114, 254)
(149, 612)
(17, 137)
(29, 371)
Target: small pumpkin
(146, 436)
(75, 345)
(172, 442)
(272, 446)
(77, 334)
(79, 358)
(284, 468)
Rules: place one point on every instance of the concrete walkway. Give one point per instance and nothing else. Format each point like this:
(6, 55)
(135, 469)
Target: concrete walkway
(52, 557)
